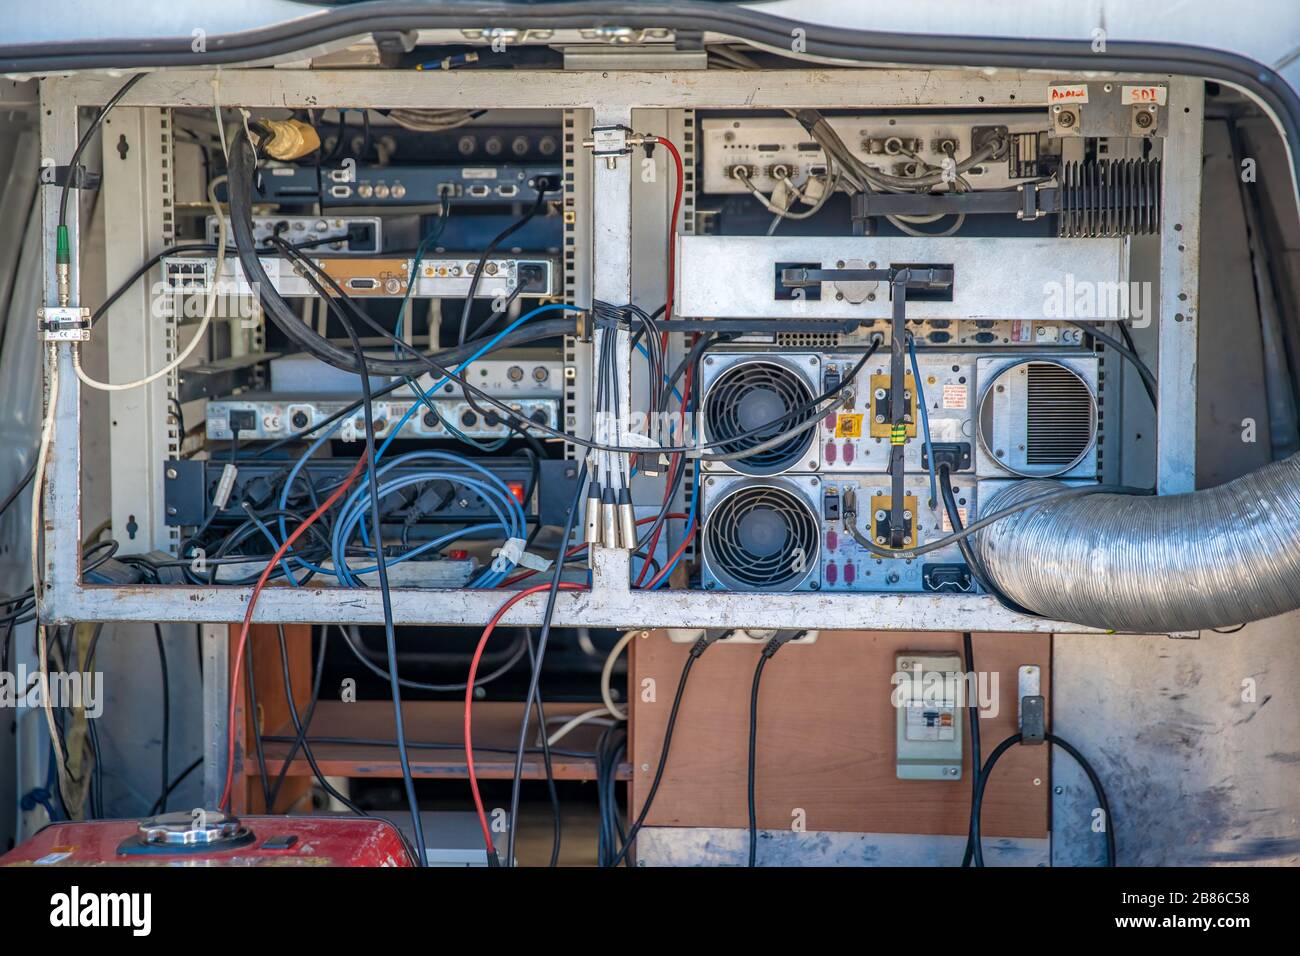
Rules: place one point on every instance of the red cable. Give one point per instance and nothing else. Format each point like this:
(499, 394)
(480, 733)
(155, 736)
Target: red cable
(678, 461)
(672, 223)
(469, 698)
(681, 549)
(248, 618)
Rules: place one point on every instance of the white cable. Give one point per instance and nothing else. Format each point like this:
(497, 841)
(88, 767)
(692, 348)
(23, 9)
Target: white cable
(607, 672)
(38, 480)
(208, 313)
(574, 722)
(216, 108)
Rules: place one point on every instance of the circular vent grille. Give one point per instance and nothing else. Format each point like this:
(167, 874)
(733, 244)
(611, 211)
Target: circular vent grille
(754, 397)
(1038, 419)
(761, 537)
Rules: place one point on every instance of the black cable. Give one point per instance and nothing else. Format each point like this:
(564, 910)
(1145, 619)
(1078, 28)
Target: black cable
(700, 646)
(173, 250)
(975, 754)
(557, 822)
(381, 564)
(18, 489)
(166, 711)
(543, 187)
(325, 352)
(85, 141)
(769, 651)
(176, 782)
(533, 332)
(1144, 371)
(977, 805)
(535, 678)
(513, 658)
(300, 728)
(251, 682)
(977, 569)
(298, 741)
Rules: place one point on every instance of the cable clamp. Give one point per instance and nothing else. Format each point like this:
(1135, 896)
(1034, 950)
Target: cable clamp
(64, 324)
(513, 551)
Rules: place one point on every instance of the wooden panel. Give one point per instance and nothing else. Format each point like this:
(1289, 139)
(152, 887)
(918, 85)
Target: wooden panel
(826, 731)
(273, 707)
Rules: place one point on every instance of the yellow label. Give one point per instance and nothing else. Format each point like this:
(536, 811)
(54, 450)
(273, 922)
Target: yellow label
(848, 425)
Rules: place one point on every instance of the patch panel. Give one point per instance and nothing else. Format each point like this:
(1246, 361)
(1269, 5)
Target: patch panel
(272, 417)
(369, 185)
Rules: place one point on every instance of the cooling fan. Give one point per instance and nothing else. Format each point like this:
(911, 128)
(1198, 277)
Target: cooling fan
(761, 535)
(753, 396)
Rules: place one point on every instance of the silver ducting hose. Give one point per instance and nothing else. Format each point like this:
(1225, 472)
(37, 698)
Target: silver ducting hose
(1210, 558)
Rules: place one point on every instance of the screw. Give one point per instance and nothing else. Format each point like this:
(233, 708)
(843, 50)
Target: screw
(171, 472)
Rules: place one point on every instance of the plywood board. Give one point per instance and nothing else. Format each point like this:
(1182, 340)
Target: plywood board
(826, 731)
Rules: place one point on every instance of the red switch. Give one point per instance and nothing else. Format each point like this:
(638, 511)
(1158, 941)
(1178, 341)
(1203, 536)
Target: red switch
(517, 489)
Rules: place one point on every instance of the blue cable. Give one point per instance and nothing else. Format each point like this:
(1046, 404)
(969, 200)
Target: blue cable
(329, 433)
(925, 420)
(493, 490)
(491, 343)
(355, 513)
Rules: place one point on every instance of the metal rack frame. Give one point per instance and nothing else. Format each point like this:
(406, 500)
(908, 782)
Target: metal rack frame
(609, 203)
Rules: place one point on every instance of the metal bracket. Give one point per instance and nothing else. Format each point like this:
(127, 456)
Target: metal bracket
(1032, 717)
(58, 176)
(900, 279)
(64, 324)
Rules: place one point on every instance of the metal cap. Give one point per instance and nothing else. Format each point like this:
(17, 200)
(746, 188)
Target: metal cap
(190, 828)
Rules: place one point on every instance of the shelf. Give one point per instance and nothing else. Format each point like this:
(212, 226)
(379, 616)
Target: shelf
(496, 733)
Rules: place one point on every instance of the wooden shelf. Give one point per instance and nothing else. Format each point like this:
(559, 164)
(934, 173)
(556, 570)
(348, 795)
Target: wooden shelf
(496, 733)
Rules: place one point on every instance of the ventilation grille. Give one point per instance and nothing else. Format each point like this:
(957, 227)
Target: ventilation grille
(1059, 416)
(753, 399)
(808, 340)
(1106, 197)
(761, 538)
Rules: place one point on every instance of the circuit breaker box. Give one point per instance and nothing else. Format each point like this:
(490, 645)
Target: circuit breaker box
(929, 692)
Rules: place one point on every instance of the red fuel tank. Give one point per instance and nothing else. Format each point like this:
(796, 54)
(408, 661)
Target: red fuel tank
(210, 838)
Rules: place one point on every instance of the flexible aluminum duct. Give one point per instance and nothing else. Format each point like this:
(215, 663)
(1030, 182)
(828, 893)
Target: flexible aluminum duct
(1204, 559)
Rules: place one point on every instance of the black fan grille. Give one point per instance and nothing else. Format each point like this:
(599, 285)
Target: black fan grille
(761, 537)
(753, 397)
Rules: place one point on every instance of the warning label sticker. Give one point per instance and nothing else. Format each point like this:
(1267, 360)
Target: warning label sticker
(849, 425)
(947, 523)
(954, 396)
